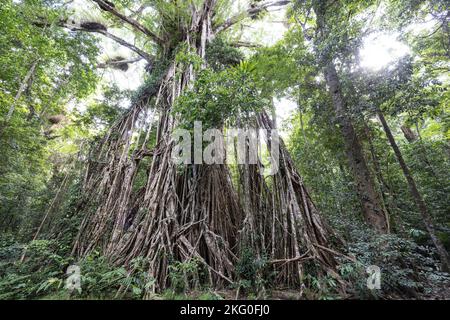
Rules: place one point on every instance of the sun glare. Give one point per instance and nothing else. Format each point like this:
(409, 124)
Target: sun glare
(380, 50)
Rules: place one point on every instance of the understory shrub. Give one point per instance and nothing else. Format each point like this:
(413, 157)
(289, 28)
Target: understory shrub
(407, 269)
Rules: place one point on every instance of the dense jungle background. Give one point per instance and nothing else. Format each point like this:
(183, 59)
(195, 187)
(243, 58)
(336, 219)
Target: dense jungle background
(92, 90)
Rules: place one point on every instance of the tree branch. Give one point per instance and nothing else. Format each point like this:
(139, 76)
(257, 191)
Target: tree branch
(120, 41)
(254, 9)
(245, 44)
(118, 63)
(98, 28)
(140, 52)
(107, 6)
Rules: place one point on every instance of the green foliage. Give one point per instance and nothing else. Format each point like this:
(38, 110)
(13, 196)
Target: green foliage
(209, 296)
(100, 279)
(221, 55)
(186, 56)
(185, 275)
(407, 269)
(103, 113)
(151, 81)
(219, 97)
(64, 70)
(36, 155)
(41, 272)
(320, 287)
(430, 164)
(318, 152)
(253, 273)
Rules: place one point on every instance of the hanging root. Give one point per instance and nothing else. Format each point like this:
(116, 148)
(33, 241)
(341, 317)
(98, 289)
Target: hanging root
(193, 212)
(181, 214)
(290, 229)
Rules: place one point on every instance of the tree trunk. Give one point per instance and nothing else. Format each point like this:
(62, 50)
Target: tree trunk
(408, 133)
(22, 88)
(365, 185)
(387, 194)
(373, 211)
(443, 254)
(193, 211)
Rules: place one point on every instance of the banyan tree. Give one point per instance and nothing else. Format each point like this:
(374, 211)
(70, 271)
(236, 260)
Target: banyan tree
(194, 211)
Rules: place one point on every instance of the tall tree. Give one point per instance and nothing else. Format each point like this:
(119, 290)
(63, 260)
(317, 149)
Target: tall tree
(192, 212)
(443, 254)
(373, 210)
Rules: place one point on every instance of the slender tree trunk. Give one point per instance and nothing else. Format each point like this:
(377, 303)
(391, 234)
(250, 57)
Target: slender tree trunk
(396, 224)
(44, 219)
(416, 195)
(386, 192)
(22, 88)
(302, 125)
(423, 155)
